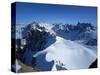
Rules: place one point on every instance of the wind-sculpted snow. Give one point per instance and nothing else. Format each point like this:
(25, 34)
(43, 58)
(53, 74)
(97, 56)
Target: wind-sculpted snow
(59, 46)
(71, 54)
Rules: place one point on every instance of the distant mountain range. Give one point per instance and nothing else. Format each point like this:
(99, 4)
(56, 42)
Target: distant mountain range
(85, 32)
(42, 39)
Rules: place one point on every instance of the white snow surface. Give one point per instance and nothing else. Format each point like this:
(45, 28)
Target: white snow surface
(69, 53)
(48, 27)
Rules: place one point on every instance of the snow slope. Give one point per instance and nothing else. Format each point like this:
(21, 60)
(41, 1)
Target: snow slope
(68, 54)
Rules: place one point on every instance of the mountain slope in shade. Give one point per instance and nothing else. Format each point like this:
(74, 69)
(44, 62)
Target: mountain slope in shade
(58, 47)
(68, 54)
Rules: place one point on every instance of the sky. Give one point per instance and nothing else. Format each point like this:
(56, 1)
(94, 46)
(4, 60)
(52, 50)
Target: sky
(28, 12)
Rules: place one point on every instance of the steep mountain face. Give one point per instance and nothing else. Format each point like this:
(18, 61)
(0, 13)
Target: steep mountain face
(54, 44)
(81, 31)
(37, 36)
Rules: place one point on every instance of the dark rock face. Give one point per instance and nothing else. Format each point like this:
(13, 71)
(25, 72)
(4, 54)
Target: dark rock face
(92, 42)
(36, 36)
(94, 64)
(60, 68)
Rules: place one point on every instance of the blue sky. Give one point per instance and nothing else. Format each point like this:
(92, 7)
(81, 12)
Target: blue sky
(29, 12)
